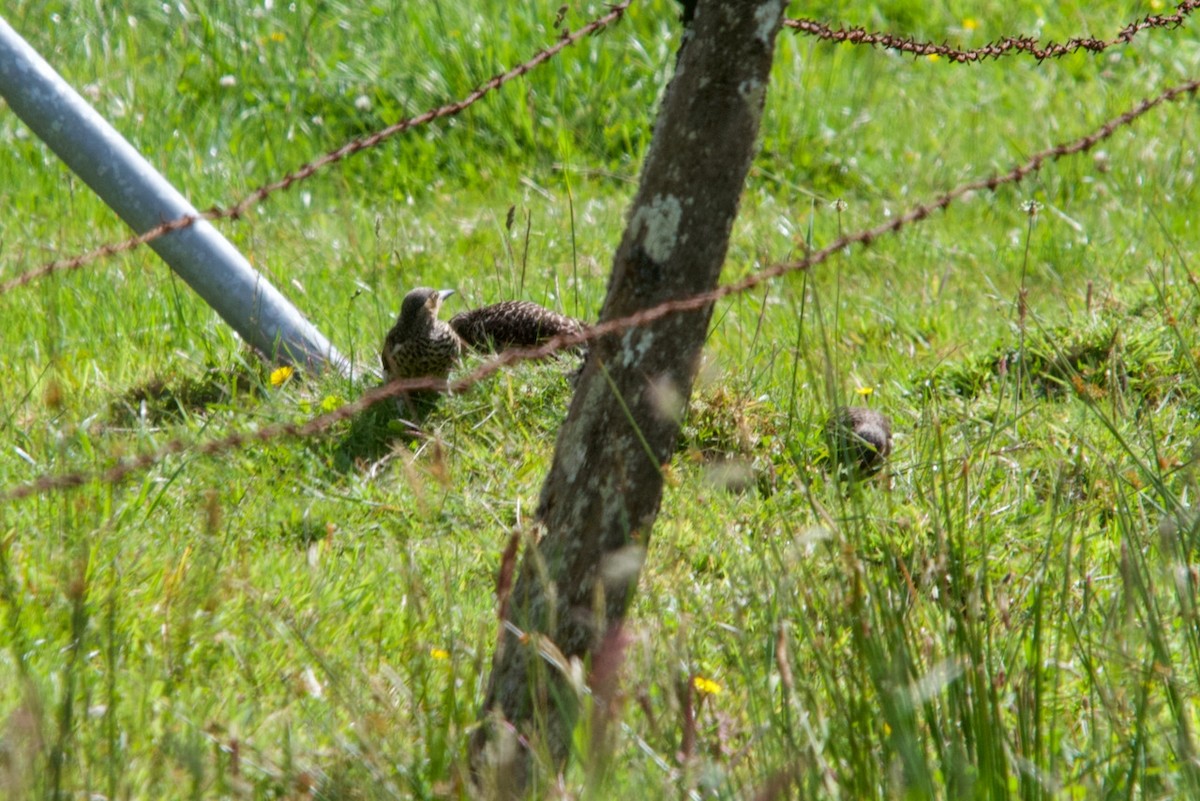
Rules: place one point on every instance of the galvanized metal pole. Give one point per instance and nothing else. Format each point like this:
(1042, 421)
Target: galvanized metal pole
(115, 171)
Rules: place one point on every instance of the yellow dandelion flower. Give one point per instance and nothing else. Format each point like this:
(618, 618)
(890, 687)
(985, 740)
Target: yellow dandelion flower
(706, 686)
(439, 653)
(865, 392)
(281, 375)
(278, 36)
(933, 56)
(970, 24)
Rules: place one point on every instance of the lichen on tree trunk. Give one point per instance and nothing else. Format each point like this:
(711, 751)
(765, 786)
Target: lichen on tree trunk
(602, 494)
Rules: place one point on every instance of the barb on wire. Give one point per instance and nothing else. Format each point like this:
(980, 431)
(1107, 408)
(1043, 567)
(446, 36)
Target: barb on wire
(1003, 47)
(326, 421)
(251, 200)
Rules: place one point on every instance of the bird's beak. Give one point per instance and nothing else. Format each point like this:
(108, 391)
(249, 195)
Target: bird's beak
(445, 293)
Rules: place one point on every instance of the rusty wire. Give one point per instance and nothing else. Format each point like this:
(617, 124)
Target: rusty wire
(308, 170)
(324, 422)
(815, 28)
(1009, 45)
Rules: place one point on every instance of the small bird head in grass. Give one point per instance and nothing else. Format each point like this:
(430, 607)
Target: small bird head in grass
(860, 439)
(419, 312)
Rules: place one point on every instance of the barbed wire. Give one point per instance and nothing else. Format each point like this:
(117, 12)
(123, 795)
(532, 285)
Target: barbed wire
(325, 422)
(816, 28)
(306, 171)
(1009, 45)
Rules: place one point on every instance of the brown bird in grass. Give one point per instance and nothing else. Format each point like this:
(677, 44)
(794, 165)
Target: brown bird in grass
(511, 324)
(860, 439)
(420, 345)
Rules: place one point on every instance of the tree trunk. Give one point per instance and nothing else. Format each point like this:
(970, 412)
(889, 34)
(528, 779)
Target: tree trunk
(604, 488)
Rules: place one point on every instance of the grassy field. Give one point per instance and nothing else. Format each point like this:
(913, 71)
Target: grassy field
(1010, 610)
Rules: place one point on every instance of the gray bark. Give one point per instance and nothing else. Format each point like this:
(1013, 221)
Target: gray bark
(602, 494)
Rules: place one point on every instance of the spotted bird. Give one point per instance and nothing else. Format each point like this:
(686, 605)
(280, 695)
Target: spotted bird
(420, 345)
(511, 324)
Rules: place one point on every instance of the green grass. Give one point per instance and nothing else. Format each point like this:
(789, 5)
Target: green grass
(1009, 611)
